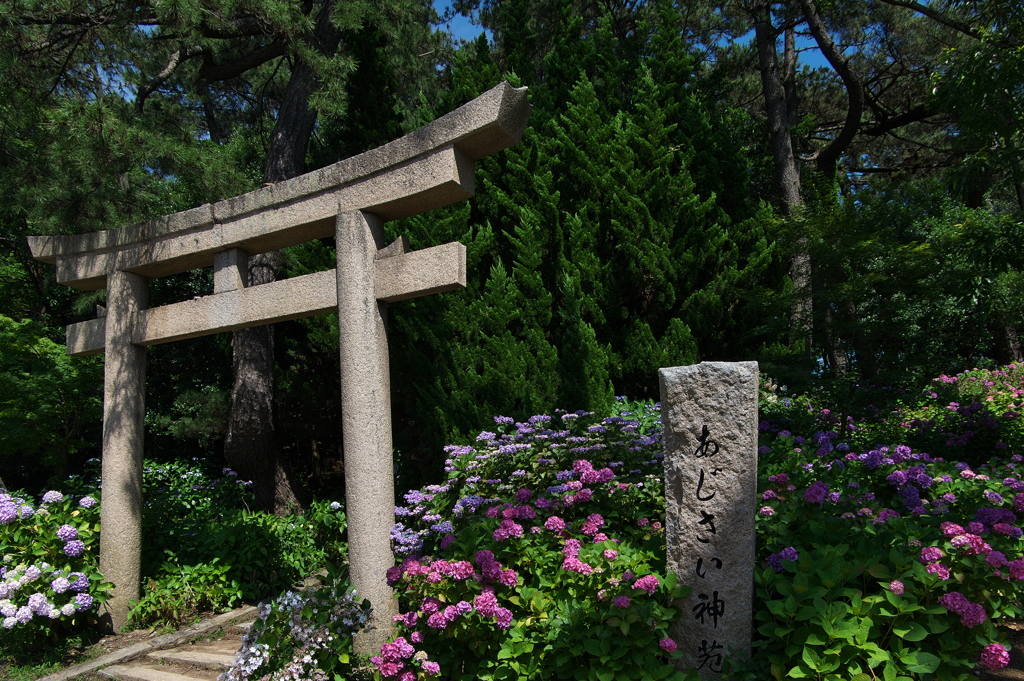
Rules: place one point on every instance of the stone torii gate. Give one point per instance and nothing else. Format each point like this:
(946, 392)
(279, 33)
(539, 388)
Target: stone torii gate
(350, 200)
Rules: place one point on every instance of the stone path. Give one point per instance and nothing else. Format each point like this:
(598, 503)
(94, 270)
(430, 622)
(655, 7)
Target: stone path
(199, 652)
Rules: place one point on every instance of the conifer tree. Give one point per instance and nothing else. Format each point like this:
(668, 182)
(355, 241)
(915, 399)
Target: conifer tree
(594, 257)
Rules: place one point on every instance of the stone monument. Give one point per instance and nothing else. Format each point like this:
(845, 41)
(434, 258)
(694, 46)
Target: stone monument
(709, 415)
(350, 200)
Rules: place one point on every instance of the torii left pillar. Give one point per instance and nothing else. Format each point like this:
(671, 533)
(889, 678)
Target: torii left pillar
(124, 418)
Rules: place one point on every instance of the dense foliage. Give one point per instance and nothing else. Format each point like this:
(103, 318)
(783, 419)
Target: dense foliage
(889, 545)
(877, 558)
(640, 223)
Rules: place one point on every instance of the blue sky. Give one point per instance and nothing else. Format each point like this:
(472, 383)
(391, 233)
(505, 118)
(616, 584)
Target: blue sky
(460, 27)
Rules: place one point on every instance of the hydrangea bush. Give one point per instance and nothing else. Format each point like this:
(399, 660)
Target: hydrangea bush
(309, 633)
(541, 556)
(883, 559)
(50, 586)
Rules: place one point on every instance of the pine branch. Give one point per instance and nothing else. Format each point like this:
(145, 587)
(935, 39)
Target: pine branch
(211, 72)
(177, 58)
(827, 157)
(239, 27)
(935, 16)
(918, 113)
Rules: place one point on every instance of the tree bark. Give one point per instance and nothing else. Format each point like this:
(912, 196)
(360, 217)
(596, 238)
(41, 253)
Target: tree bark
(787, 174)
(250, 446)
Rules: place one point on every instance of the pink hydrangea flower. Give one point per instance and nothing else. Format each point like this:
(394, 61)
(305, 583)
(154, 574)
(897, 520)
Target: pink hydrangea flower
(486, 603)
(951, 529)
(931, 554)
(430, 605)
(574, 564)
(581, 466)
(508, 528)
(896, 587)
(995, 656)
(389, 669)
(668, 645)
(648, 583)
(503, 618)
(554, 523)
(621, 602)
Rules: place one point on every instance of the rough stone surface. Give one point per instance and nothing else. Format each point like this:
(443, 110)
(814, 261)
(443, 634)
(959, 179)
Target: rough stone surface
(201, 658)
(156, 643)
(398, 275)
(140, 673)
(366, 422)
(709, 412)
(124, 416)
(230, 270)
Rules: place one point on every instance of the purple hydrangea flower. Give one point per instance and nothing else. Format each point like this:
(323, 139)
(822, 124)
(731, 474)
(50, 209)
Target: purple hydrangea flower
(74, 548)
(817, 492)
(788, 553)
(38, 603)
(67, 533)
(83, 601)
(53, 497)
(87, 502)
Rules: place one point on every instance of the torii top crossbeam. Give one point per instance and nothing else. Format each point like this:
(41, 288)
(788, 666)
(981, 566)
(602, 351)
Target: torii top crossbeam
(426, 169)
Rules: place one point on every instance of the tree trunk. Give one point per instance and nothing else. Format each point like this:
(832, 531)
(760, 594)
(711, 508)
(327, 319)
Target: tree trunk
(787, 174)
(250, 446)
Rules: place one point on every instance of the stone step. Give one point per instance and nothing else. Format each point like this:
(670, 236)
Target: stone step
(227, 646)
(206, 657)
(150, 673)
